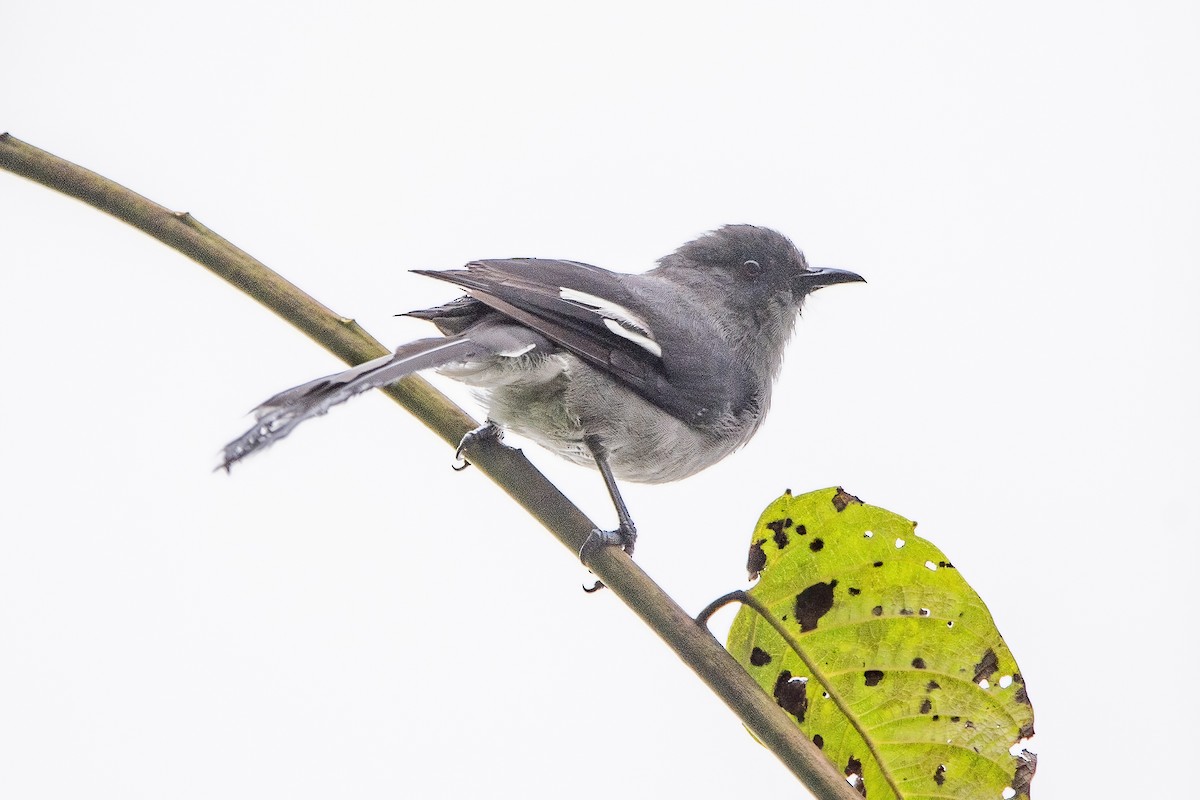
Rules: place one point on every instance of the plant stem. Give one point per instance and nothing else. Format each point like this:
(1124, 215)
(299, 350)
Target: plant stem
(507, 467)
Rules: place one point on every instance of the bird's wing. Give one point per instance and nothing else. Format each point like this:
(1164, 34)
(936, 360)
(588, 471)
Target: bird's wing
(681, 365)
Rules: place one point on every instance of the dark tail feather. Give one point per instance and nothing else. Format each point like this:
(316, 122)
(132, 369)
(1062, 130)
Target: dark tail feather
(280, 414)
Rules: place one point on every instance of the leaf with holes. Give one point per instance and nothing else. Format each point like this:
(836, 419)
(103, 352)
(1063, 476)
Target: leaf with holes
(887, 659)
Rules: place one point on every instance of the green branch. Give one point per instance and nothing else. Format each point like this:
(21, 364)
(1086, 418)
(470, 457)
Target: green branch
(507, 467)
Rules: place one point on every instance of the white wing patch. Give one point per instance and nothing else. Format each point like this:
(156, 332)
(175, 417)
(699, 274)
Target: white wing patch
(644, 342)
(618, 319)
(518, 352)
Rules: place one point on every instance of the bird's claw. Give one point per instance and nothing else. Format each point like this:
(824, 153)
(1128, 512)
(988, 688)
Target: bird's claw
(488, 430)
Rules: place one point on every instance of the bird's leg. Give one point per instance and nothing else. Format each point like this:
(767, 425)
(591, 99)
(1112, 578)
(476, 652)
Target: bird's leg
(626, 534)
(488, 430)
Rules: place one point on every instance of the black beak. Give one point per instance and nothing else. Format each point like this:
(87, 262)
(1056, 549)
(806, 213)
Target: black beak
(814, 279)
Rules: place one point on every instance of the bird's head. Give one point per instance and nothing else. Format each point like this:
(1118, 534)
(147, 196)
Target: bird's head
(757, 265)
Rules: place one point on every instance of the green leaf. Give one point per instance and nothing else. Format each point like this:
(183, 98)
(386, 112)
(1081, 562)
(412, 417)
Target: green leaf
(887, 659)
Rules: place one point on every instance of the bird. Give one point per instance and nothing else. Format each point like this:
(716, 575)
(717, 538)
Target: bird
(649, 377)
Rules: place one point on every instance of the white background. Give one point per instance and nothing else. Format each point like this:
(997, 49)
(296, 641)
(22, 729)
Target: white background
(347, 617)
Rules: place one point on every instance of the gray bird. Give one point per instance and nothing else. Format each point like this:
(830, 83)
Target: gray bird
(649, 378)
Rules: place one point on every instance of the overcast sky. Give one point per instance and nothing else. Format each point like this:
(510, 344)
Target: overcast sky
(345, 616)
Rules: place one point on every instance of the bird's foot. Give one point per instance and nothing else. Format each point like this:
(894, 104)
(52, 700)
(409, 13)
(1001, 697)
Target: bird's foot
(597, 540)
(488, 430)
(623, 537)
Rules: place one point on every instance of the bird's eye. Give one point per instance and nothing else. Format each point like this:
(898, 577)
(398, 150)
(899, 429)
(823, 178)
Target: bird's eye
(751, 268)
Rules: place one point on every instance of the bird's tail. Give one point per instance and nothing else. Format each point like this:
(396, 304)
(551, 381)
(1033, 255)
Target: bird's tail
(279, 415)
